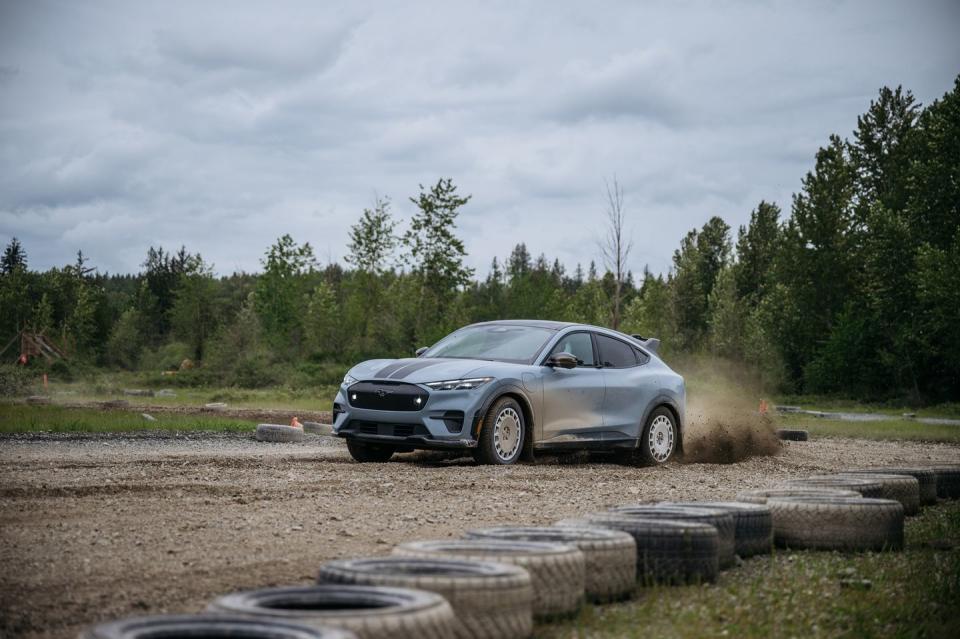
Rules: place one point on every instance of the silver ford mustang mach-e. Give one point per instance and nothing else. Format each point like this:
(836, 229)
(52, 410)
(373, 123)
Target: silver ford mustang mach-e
(508, 388)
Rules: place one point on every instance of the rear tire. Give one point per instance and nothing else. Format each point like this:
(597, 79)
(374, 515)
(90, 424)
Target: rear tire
(502, 434)
(370, 453)
(660, 438)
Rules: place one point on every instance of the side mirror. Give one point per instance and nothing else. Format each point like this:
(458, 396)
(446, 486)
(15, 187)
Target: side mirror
(562, 360)
(420, 351)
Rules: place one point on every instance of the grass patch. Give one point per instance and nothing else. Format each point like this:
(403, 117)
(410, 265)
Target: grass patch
(891, 429)
(893, 408)
(914, 593)
(18, 418)
(106, 387)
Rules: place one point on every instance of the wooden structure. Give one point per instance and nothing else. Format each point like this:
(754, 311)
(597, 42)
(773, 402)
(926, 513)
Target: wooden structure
(35, 345)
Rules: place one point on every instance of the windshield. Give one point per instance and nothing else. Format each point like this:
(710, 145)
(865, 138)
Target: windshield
(516, 344)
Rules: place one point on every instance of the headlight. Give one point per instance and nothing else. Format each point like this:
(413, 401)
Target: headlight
(459, 384)
(349, 379)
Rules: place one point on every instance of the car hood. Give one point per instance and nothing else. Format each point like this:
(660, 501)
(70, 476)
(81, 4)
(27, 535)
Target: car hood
(421, 369)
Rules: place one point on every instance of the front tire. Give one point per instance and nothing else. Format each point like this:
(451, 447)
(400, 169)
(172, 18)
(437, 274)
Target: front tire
(660, 437)
(370, 453)
(501, 434)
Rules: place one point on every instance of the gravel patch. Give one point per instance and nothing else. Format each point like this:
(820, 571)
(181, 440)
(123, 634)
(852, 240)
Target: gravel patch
(94, 527)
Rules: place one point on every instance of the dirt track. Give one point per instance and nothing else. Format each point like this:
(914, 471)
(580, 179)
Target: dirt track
(97, 527)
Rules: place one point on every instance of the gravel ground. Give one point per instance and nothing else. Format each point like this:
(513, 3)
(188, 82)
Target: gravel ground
(94, 527)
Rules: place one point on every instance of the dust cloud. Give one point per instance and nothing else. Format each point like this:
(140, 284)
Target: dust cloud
(724, 424)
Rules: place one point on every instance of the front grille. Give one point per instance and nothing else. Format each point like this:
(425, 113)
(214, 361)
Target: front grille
(390, 430)
(387, 396)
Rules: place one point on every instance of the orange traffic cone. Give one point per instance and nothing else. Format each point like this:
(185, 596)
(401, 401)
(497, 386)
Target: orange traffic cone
(296, 423)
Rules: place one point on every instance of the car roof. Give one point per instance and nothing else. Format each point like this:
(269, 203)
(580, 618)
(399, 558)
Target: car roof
(547, 324)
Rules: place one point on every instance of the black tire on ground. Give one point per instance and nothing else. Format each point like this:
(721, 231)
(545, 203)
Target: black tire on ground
(793, 434)
(213, 626)
(278, 433)
(722, 520)
(610, 556)
(753, 524)
(316, 428)
(761, 495)
(557, 571)
(926, 477)
(668, 552)
(502, 434)
(837, 523)
(948, 480)
(370, 453)
(866, 487)
(660, 438)
(489, 600)
(371, 612)
(902, 488)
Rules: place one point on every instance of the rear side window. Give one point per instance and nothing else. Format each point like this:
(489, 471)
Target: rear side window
(614, 353)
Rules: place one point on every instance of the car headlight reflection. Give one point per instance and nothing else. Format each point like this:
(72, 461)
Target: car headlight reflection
(349, 379)
(459, 384)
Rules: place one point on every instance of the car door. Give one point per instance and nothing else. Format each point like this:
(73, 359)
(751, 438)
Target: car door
(630, 386)
(573, 397)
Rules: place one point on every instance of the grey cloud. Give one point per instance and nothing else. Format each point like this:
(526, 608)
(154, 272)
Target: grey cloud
(222, 125)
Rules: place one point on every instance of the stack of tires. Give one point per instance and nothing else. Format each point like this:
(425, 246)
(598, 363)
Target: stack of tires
(498, 582)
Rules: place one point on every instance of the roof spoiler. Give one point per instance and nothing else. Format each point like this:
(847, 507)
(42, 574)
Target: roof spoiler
(652, 343)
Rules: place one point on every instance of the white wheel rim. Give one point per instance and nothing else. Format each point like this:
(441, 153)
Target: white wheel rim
(507, 434)
(660, 438)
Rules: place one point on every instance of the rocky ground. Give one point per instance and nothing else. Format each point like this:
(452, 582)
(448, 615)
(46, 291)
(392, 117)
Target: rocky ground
(94, 527)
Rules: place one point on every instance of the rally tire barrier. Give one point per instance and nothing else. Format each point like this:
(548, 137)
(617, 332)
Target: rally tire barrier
(902, 488)
(948, 480)
(866, 487)
(837, 523)
(761, 495)
(278, 433)
(317, 428)
(753, 524)
(668, 552)
(720, 519)
(793, 434)
(210, 626)
(557, 571)
(370, 612)
(926, 478)
(489, 600)
(610, 556)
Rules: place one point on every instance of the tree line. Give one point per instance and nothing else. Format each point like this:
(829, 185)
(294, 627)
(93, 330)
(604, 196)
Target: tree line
(854, 291)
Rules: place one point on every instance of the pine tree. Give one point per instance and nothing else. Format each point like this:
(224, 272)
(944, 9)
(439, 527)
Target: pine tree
(756, 250)
(14, 258)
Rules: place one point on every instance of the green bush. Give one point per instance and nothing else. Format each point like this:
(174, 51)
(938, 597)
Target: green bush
(166, 358)
(61, 371)
(16, 381)
(251, 372)
(318, 374)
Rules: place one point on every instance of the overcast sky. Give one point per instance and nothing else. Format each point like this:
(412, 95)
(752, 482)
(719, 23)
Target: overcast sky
(222, 126)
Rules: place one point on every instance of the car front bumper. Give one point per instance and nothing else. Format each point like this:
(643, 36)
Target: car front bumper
(447, 420)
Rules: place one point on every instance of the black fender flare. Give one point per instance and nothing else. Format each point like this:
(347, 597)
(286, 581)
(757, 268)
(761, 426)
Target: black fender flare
(507, 388)
(669, 402)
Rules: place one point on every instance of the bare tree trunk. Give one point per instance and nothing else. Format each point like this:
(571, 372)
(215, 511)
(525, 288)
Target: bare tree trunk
(615, 246)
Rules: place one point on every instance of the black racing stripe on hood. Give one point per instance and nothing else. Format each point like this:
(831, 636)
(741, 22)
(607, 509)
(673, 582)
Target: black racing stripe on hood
(390, 368)
(410, 368)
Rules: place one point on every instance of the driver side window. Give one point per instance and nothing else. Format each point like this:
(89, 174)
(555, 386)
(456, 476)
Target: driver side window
(579, 345)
